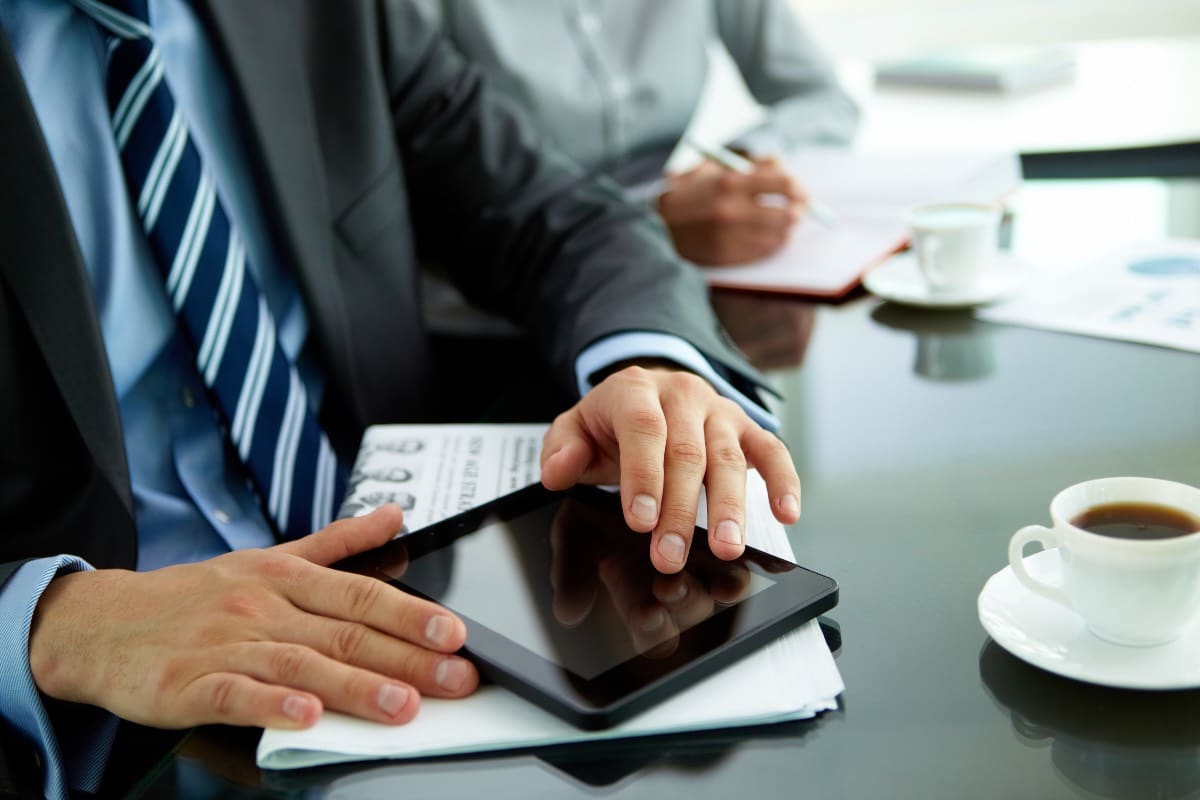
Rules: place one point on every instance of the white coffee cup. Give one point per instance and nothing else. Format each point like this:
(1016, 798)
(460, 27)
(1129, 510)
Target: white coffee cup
(954, 243)
(1138, 592)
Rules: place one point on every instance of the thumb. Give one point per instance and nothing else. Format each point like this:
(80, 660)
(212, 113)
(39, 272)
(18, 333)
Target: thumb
(567, 451)
(346, 537)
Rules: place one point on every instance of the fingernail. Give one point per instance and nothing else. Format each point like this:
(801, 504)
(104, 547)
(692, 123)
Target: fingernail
(438, 630)
(391, 698)
(790, 505)
(671, 548)
(729, 532)
(297, 707)
(645, 508)
(451, 674)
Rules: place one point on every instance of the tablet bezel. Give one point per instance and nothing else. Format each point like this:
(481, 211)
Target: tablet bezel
(795, 595)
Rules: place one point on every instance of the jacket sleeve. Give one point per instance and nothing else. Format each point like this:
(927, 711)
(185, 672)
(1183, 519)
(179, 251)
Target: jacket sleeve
(524, 232)
(785, 69)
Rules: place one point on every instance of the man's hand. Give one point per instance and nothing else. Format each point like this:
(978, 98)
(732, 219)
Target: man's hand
(718, 217)
(256, 637)
(662, 434)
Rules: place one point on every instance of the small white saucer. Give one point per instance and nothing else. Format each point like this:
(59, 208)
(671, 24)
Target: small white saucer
(1054, 638)
(898, 279)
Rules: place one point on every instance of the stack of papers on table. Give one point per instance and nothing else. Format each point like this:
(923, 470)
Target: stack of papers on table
(998, 69)
(871, 196)
(793, 678)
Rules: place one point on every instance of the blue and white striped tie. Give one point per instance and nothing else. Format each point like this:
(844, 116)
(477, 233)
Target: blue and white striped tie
(223, 313)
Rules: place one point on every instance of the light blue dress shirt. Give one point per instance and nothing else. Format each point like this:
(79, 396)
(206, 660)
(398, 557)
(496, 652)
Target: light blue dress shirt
(191, 500)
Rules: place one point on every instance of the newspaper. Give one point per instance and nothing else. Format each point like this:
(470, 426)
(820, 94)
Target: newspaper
(1148, 293)
(436, 471)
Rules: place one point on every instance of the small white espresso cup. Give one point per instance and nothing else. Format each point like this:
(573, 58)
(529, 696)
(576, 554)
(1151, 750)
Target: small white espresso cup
(1130, 591)
(954, 243)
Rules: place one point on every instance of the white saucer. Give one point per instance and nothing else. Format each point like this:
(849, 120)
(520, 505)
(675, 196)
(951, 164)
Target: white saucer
(1054, 638)
(898, 279)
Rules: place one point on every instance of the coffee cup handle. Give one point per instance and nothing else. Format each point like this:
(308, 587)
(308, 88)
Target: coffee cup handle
(1016, 559)
(927, 257)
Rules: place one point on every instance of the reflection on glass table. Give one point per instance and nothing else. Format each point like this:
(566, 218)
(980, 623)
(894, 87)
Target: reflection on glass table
(773, 332)
(1108, 742)
(951, 345)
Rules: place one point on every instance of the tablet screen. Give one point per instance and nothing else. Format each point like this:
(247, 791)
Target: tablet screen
(571, 583)
(563, 606)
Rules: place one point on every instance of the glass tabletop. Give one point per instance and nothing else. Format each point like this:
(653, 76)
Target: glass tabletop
(924, 439)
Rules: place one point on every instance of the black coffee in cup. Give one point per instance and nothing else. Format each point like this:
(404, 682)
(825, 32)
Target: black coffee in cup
(1137, 521)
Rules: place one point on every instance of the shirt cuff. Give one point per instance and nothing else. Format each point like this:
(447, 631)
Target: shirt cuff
(77, 758)
(644, 344)
(646, 193)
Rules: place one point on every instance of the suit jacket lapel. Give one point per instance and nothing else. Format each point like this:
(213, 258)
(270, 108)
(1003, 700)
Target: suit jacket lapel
(259, 45)
(45, 271)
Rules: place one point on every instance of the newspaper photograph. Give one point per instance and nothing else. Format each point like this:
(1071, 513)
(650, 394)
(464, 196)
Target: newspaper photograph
(436, 471)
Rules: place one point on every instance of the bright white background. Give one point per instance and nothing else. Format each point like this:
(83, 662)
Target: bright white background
(1137, 81)
(873, 28)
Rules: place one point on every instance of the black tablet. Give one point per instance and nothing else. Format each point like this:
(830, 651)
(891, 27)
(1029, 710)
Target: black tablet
(563, 607)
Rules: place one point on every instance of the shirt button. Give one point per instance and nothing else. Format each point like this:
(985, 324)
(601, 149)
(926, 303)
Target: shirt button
(189, 397)
(222, 516)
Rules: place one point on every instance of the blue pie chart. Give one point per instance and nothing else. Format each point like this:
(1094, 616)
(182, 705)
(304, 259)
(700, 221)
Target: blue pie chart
(1167, 266)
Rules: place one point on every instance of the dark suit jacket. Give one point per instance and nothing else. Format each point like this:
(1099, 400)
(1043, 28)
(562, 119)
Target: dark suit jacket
(378, 149)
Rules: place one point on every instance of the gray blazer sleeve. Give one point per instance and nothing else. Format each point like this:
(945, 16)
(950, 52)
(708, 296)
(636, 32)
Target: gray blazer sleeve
(524, 232)
(785, 69)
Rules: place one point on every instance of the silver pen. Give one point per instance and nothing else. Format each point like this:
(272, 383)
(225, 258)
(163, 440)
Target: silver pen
(739, 163)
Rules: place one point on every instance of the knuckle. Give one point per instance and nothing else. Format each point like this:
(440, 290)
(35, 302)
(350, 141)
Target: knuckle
(727, 407)
(728, 182)
(273, 565)
(727, 455)
(170, 677)
(648, 420)
(645, 474)
(222, 696)
(348, 641)
(287, 663)
(362, 595)
(692, 383)
(687, 452)
(676, 518)
(635, 377)
(245, 604)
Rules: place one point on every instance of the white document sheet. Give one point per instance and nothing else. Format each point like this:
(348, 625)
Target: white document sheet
(793, 678)
(1148, 293)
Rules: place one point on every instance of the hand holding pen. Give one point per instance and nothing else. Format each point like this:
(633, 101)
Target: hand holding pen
(734, 211)
(739, 163)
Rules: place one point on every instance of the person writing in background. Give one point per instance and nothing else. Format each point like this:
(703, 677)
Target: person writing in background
(615, 85)
(211, 217)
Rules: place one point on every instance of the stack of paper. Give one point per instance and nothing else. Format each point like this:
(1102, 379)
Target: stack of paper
(795, 678)
(998, 69)
(790, 679)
